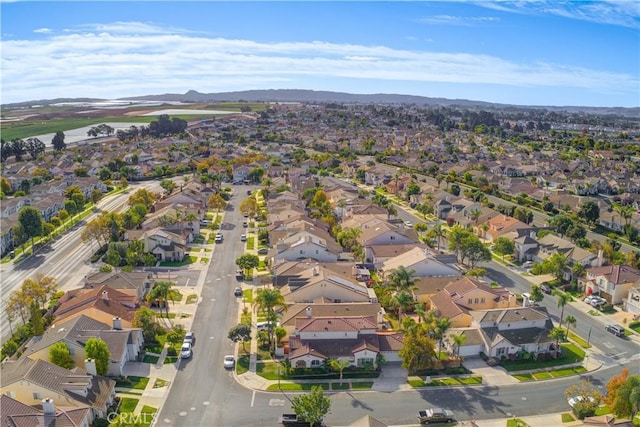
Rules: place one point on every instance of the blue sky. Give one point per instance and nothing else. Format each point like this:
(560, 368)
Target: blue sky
(580, 53)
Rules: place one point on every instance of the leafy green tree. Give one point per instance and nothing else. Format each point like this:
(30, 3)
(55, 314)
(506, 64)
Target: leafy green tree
(338, 365)
(60, 355)
(30, 220)
(280, 333)
(216, 202)
(590, 211)
(474, 251)
(143, 196)
(249, 207)
(145, 319)
(402, 300)
(536, 293)
(58, 141)
(591, 398)
(417, 352)
(561, 223)
(37, 326)
(248, 261)
(97, 349)
(240, 333)
(627, 401)
(168, 185)
(504, 246)
(401, 279)
(176, 334)
(311, 407)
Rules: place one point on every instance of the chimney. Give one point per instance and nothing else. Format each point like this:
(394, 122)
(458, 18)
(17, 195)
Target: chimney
(600, 258)
(315, 271)
(525, 300)
(105, 296)
(308, 312)
(380, 317)
(117, 323)
(48, 407)
(85, 282)
(90, 366)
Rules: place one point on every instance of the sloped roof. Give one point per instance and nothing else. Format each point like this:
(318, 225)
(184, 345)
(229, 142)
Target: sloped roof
(294, 311)
(92, 298)
(336, 324)
(616, 274)
(18, 414)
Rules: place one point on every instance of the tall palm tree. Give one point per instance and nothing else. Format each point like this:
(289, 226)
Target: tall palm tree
(458, 340)
(563, 300)
(557, 334)
(438, 233)
(570, 321)
(338, 365)
(402, 279)
(442, 325)
(475, 215)
(426, 316)
(402, 300)
(269, 300)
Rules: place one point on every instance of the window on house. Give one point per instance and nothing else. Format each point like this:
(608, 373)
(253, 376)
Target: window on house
(482, 300)
(315, 362)
(470, 300)
(475, 301)
(392, 237)
(316, 251)
(301, 251)
(37, 396)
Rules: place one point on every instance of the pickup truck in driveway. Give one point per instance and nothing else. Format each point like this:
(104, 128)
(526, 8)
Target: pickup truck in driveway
(435, 415)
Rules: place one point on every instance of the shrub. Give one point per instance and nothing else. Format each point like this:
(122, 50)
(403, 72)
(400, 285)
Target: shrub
(582, 411)
(171, 351)
(9, 348)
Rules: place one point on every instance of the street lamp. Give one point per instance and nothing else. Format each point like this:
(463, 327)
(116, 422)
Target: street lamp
(279, 376)
(589, 336)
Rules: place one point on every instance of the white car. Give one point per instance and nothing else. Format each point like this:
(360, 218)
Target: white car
(589, 299)
(229, 361)
(408, 224)
(185, 351)
(577, 399)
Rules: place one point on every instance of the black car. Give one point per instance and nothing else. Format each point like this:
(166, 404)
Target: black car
(263, 251)
(545, 289)
(237, 291)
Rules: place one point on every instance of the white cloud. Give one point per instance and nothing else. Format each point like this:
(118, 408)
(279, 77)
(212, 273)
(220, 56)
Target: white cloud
(457, 20)
(100, 62)
(42, 30)
(625, 13)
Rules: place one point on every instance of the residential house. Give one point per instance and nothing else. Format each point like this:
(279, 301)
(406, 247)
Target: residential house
(421, 262)
(350, 338)
(504, 332)
(124, 345)
(505, 226)
(164, 244)
(611, 282)
(240, 173)
(188, 201)
(18, 414)
(322, 284)
(551, 244)
(385, 233)
(101, 303)
(302, 245)
(141, 282)
(29, 381)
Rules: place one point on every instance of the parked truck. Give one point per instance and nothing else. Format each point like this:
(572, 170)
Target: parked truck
(292, 420)
(435, 415)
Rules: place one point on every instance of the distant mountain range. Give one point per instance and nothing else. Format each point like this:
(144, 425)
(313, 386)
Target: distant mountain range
(302, 95)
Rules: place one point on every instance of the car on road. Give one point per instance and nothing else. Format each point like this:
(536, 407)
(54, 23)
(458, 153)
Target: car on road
(244, 224)
(229, 361)
(545, 289)
(190, 338)
(616, 330)
(239, 275)
(408, 224)
(243, 237)
(219, 238)
(237, 291)
(527, 264)
(185, 351)
(263, 251)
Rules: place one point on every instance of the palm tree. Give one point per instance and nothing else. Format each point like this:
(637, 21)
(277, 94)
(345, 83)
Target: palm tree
(557, 334)
(438, 232)
(269, 300)
(426, 316)
(401, 279)
(563, 300)
(475, 215)
(338, 365)
(625, 212)
(570, 321)
(161, 292)
(403, 301)
(458, 340)
(442, 325)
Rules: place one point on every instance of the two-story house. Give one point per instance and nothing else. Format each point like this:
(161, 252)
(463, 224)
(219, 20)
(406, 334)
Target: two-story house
(611, 282)
(18, 414)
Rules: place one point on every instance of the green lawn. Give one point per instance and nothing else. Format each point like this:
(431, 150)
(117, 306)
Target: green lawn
(160, 383)
(362, 385)
(242, 364)
(297, 386)
(440, 382)
(128, 405)
(138, 383)
(248, 296)
(187, 260)
(338, 386)
(572, 354)
(191, 299)
(557, 373)
(516, 422)
(635, 326)
(148, 410)
(251, 242)
(578, 339)
(170, 359)
(150, 359)
(567, 418)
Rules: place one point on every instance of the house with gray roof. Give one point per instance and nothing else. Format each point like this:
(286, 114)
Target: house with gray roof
(29, 381)
(18, 414)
